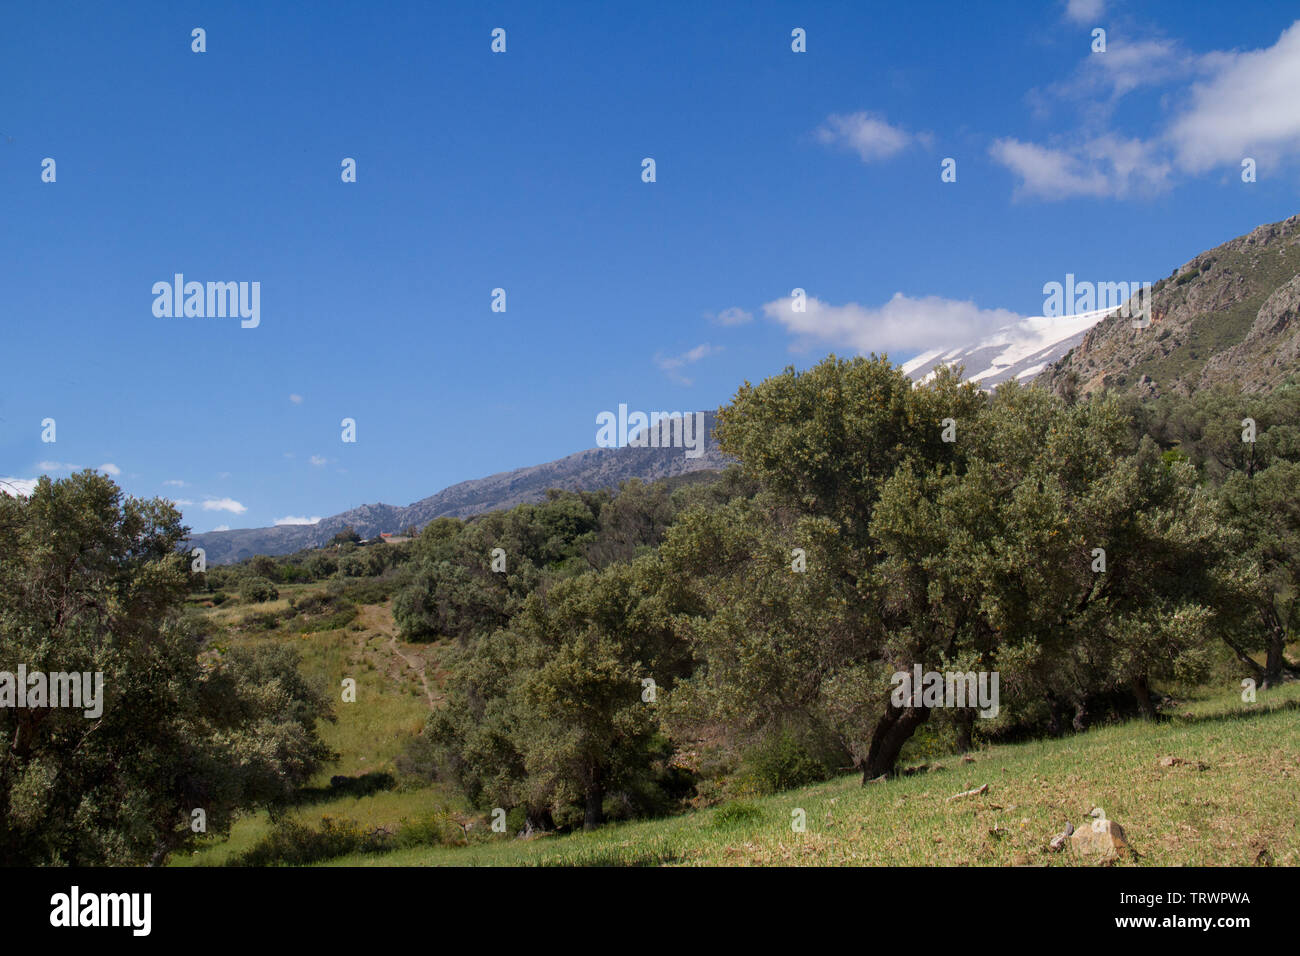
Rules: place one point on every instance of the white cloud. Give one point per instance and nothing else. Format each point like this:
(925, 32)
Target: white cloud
(17, 486)
(319, 460)
(1243, 106)
(867, 134)
(296, 399)
(673, 363)
(1247, 108)
(294, 520)
(733, 316)
(222, 527)
(901, 324)
(1104, 166)
(1127, 66)
(1084, 11)
(57, 466)
(109, 468)
(174, 483)
(224, 504)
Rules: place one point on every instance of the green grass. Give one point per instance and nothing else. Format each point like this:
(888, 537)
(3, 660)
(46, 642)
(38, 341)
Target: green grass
(368, 735)
(389, 808)
(1243, 802)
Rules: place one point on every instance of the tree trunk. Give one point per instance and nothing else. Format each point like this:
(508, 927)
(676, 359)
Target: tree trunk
(1080, 720)
(1142, 691)
(539, 820)
(1053, 717)
(965, 724)
(595, 813)
(894, 729)
(1256, 671)
(1275, 658)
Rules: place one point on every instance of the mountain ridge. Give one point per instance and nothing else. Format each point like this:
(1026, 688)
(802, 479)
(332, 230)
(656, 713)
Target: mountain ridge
(1230, 314)
(591, 469)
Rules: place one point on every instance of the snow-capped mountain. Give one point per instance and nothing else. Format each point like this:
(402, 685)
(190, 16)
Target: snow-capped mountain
(1020, 350)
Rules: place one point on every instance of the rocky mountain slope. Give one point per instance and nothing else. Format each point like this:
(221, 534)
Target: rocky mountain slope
(590, 470)
(1231, 314)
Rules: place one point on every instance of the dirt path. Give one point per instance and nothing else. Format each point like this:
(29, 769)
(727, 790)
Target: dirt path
(379, 618)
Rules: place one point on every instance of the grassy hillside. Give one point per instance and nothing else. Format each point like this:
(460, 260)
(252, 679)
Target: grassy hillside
(368, 735)
(1230, 801)
(1241, 804)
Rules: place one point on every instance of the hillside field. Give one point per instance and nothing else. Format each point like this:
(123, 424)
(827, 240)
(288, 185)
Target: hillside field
(1231, 800)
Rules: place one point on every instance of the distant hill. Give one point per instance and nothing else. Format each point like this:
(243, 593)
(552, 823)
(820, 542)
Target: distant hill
(1230, 315)
(590, 470)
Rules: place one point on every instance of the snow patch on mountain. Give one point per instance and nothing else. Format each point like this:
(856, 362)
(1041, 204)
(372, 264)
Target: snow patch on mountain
(1018, 351)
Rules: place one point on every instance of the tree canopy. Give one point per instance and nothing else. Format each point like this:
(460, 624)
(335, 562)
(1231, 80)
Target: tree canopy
(92, 583)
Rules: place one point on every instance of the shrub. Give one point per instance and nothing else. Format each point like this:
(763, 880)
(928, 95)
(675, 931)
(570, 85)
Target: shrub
(371, 591)
(336, 621)
(256, 590)
(346, 536)
(787, 759)
(437, 830)
(263, 621)
(320, 566)
(419, 759)
(291, 843)
(264, 567)
(294, 844)
(736, 814)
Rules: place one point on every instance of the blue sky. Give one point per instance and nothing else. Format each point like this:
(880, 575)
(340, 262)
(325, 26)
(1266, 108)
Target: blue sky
(523, 171)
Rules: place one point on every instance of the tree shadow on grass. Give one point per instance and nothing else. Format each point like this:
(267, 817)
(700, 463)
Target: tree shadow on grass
(1258, 710)
(363, 785)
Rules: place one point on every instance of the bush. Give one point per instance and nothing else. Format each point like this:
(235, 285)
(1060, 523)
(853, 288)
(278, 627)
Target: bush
(255, 590)
(219, 599)
(437, 830)
(346, 536)
(336, 621)
(264, 567)
(293, 844)
(736, 814)
(419, 759)
(263, 621)
(373, 590)
(320, 566)
(787, 759)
